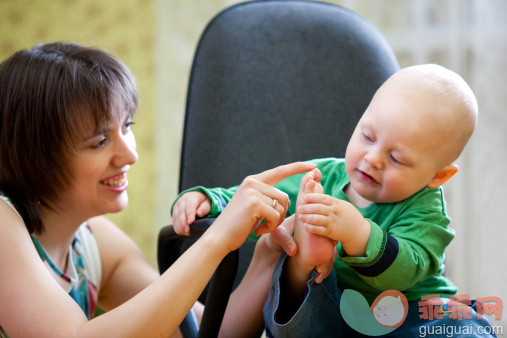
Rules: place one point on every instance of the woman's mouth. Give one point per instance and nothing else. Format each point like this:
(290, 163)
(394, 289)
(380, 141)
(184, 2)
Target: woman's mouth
(117, 181)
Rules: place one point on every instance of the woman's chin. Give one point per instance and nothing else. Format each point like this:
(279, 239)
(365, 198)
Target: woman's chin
(119, 205)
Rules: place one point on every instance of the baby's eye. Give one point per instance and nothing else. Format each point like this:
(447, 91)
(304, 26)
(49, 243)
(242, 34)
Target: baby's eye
(395, 160)
(367, 137)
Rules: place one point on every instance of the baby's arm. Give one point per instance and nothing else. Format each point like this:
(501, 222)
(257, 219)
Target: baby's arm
(408, 248)
(398, 256)
(336, 219)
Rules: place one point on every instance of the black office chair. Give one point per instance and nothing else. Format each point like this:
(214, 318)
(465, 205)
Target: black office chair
(272, 82)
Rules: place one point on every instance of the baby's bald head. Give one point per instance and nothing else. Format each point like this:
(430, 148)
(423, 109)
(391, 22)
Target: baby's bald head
(444, 105)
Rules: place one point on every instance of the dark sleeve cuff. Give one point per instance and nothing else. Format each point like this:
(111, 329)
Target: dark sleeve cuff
(381, 252)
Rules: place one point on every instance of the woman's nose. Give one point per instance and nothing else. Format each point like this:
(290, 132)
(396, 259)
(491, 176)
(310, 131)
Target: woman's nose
(125, 152)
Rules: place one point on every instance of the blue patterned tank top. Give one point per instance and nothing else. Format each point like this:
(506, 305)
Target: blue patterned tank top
(82, 277)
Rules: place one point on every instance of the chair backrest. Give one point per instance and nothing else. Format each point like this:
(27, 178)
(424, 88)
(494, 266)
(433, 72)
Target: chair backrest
(273, 82)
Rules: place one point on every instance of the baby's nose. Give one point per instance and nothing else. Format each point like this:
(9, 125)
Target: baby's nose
(374, 160)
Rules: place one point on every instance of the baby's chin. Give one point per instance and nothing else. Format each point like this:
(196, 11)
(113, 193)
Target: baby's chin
(380, 196)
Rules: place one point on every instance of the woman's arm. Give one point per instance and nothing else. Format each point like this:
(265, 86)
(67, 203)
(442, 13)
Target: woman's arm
(29, 294)
(33, 304)
(125, 270)
(243, 316)
(251, 203)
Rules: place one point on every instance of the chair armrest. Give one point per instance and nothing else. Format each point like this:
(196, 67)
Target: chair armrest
(172, 245)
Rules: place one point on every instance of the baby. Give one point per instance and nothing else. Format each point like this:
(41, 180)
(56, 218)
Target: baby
(415, 127)
(402, 150)
(383, 204)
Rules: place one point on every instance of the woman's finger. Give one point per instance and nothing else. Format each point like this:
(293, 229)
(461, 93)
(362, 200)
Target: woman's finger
(325, 269)
(281, 207)
(283, 238)
(275, 175)
(268, 195)
(272, 219)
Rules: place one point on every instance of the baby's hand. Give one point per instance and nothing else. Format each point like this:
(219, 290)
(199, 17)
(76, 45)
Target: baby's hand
(189, 205)
(330, 217)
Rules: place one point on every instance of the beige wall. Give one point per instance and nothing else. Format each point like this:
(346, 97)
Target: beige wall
(125, 28)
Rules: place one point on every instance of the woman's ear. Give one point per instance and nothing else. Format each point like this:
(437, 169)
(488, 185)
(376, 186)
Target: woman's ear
(443, 175)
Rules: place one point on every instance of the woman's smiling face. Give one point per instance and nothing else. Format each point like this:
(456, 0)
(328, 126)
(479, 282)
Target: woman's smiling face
(99, 169)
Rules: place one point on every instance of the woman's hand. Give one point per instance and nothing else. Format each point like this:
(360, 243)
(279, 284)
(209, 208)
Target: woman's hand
(255, 200)
(279, 239)
(325, 269)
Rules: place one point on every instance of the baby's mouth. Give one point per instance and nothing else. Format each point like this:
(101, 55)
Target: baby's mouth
(367, 178)
(115, 181)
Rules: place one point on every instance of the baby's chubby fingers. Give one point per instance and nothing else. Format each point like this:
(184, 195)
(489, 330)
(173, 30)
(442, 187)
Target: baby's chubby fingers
(203, 209)
(319, 198)
(314, 219)
(321, 230)
(313, 208)
(186, 208)
(179, 218)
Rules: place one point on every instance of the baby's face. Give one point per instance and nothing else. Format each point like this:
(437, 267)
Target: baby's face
(394, 150)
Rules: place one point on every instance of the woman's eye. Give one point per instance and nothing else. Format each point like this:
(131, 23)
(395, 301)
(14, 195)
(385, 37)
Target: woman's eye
(128, 126)
(99, 144)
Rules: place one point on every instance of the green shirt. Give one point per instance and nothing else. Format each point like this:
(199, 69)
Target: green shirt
(405, 251)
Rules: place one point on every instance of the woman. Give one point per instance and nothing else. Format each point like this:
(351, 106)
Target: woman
(65, 149)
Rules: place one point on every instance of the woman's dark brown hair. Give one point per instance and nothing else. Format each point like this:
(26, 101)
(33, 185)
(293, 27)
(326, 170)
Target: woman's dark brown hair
(48, 96)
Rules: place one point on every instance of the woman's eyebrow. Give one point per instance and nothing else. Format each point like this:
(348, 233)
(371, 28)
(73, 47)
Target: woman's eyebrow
(97, 131)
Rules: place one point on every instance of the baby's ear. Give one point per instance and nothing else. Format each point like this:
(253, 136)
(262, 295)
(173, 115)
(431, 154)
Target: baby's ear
(443, 175)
